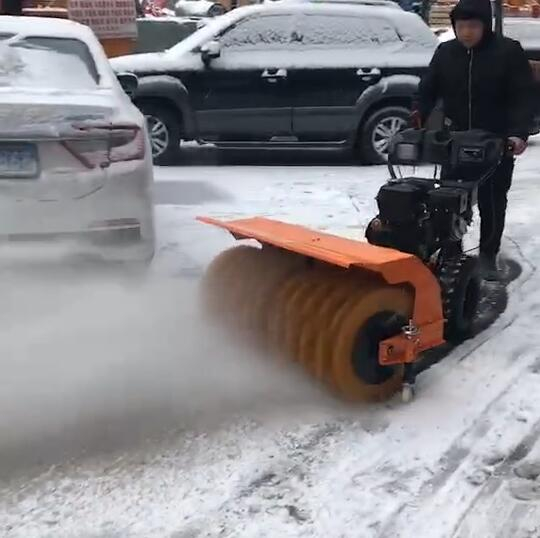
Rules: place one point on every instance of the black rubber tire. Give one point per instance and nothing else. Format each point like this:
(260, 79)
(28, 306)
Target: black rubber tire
(365, 149)
(171, 120)
(365, 356)
(460, 287)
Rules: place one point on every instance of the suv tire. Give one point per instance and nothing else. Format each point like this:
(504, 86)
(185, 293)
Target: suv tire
(379, 127)
(164, 130)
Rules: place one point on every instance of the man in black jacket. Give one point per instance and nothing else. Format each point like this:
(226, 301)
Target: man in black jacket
(485, 82)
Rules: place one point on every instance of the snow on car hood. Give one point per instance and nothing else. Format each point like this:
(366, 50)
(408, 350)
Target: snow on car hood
(146, 62)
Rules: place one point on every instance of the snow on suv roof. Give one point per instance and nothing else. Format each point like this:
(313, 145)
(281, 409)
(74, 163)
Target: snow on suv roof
(387, 3)
(300, 6)
(409, 20)
(45, 27)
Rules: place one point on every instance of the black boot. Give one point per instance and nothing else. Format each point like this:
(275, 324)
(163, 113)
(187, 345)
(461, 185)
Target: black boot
(488, 267)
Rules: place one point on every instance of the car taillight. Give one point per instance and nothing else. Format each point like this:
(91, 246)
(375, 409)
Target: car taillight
(126, 144)
(107, 144)
(91, 153)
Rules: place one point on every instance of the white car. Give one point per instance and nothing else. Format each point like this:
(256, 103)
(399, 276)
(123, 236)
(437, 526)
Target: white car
(75, 157)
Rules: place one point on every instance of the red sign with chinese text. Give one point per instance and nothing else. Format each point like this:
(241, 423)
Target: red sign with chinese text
(109, 19)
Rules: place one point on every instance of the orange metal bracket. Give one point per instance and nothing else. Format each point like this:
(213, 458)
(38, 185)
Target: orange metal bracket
(394, 266)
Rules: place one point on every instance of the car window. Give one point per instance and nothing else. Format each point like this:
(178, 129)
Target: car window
(252, 33)
(157, 36)
(416, 34)
(331, 30)
(47, 62)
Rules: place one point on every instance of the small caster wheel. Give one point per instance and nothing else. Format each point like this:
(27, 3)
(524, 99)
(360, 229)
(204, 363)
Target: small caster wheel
(407, 393)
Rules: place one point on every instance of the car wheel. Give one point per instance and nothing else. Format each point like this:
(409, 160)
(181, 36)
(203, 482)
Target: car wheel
(377, 132)
(164, 131)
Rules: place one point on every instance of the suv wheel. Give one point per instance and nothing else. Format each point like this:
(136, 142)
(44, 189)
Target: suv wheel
(378, 130)
(164, 131)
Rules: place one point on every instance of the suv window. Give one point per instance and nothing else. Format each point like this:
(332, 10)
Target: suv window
(159, 35)
(252, 33)
(330, 30)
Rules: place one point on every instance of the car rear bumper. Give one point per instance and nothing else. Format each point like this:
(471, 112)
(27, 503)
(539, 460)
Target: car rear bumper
(132, 241)
(115, 221)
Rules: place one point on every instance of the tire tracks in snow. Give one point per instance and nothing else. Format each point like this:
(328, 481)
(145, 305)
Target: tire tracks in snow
(279, 489)
(452, 486)
(495, 477)
(278, 500)
(471, 461)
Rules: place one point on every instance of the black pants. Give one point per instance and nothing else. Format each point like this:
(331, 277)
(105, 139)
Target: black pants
(492, 201)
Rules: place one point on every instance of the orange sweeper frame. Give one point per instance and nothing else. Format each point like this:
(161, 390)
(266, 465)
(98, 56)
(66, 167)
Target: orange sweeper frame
(426, 324)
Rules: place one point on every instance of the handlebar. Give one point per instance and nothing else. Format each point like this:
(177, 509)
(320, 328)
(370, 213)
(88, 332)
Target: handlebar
(475, 151)
(443, 147)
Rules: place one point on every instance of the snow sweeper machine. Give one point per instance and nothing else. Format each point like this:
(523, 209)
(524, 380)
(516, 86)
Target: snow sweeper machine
(359, 315)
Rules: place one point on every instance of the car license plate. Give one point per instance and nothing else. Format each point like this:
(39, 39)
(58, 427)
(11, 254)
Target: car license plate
(18, 161)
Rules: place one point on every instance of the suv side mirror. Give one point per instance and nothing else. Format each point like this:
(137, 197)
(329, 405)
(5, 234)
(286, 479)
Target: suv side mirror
(210, 51)
(129, 83)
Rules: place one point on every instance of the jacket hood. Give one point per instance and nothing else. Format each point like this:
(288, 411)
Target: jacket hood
(474, 9)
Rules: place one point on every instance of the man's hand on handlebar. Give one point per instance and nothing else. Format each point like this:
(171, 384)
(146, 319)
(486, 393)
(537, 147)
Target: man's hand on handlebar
(517, 145)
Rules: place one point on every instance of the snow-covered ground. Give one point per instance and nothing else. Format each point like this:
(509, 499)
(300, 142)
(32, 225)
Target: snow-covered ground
(186, 434)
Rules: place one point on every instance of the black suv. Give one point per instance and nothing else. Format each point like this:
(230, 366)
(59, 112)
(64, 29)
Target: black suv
(286, 75)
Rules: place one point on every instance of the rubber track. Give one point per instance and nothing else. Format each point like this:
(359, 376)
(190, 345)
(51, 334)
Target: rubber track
(449, 276)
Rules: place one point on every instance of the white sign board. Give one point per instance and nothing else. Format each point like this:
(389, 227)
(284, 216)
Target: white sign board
(108, 18)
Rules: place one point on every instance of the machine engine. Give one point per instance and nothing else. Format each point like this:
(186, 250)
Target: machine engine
(424, 215)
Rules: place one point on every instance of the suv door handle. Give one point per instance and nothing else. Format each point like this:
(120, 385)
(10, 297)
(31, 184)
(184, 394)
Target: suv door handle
(272, 75)
(367, 74)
